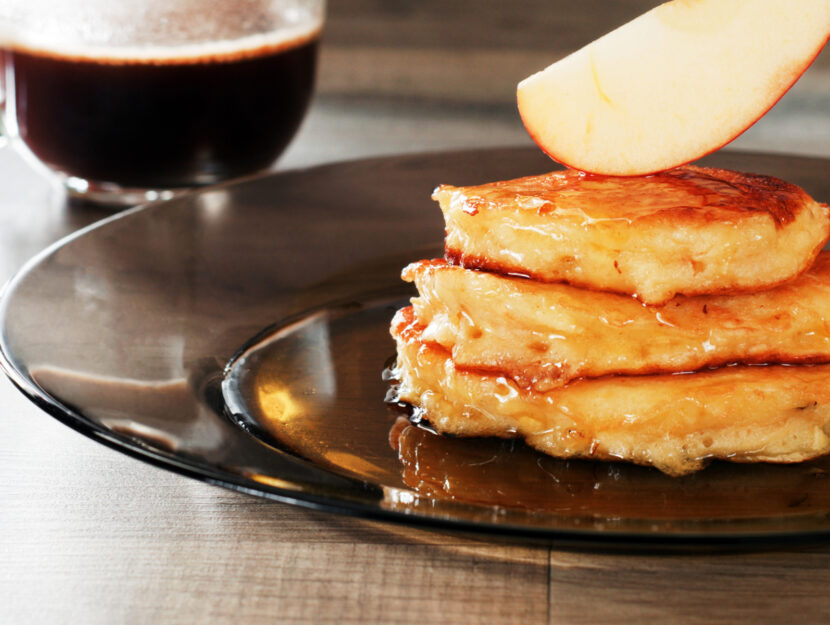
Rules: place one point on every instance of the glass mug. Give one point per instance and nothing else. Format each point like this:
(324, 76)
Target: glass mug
(131, 100)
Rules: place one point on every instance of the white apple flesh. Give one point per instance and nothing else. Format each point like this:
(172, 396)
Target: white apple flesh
(672, 85)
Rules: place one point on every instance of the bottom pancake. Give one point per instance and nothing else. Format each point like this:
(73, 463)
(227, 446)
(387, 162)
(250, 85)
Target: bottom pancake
(674, 422)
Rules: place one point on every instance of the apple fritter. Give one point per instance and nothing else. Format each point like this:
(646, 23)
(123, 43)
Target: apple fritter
(690, 230)
(544, 335)
(675, 423)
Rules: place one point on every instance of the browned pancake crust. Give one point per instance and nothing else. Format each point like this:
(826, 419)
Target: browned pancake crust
(673, 422)
(691, 230)
(545, 335)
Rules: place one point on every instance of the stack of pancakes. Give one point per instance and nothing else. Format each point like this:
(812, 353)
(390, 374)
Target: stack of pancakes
(664, 320)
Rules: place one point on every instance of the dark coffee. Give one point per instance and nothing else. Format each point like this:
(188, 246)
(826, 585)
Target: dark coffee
(163, 122)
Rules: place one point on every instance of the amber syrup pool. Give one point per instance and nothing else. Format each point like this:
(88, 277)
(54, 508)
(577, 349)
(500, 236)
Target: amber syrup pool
(321, 386)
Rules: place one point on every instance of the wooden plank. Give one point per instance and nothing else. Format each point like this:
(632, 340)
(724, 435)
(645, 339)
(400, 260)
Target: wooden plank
(473, 76)
(533, 24)
(776, 587)
(118, 577)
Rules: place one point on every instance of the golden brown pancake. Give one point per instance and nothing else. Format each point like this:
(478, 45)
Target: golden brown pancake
(690, 230)
(544, 335)
(673, 422)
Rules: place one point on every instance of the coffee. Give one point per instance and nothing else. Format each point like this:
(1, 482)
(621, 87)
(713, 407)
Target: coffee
(161, 121)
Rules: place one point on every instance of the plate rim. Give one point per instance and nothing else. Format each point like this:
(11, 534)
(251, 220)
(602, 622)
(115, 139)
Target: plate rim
(576, 538)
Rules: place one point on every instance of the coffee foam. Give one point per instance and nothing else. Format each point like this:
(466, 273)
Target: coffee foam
(160, 32)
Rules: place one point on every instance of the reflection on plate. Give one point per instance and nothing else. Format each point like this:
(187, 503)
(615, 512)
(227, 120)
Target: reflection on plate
(510, 474)
(156, 302)
(312, 387)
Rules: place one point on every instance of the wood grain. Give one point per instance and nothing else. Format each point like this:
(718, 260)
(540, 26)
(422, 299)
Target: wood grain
(727, 588)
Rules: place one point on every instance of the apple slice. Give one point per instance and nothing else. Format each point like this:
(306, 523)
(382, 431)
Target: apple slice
(672, 85)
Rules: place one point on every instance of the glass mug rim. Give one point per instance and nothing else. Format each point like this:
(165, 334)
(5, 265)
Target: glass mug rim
(82, 41)
(137, 85)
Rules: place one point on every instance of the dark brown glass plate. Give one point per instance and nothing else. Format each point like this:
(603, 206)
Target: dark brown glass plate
(238, 335)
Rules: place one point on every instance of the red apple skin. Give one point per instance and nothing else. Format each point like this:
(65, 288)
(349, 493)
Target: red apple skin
(796, 76)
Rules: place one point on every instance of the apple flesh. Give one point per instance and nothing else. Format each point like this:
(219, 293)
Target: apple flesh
(672, 85)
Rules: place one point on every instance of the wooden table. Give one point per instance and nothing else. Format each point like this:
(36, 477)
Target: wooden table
(90, 536)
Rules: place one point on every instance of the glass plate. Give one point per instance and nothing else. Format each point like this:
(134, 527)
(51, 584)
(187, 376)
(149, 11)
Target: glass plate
(238, 335)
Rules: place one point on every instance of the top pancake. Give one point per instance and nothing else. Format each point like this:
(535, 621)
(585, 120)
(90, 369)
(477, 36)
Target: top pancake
(690, 230)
